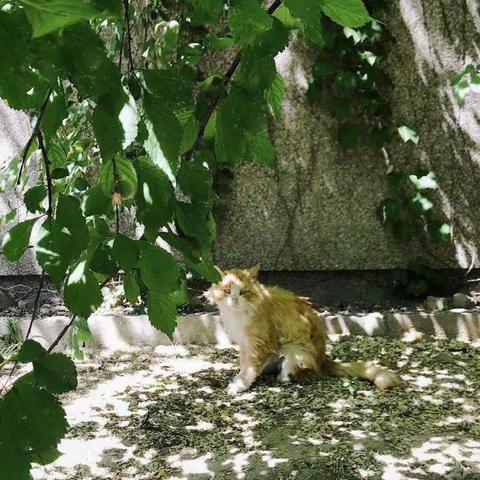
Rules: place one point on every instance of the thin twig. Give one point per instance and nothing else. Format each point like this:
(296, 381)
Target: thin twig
(47, 171)
(35, 304)
(129, 36)
(34, 133)
(227, 78)
(120, 58)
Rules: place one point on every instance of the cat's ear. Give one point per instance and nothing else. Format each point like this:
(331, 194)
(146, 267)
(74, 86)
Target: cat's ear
(253, 271)
(219, 270)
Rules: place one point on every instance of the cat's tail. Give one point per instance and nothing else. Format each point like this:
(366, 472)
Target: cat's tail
(379, 375)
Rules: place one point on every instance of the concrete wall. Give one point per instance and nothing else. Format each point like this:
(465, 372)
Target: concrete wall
(317, 211)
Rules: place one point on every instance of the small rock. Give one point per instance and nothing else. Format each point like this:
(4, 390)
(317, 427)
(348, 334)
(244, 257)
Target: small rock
(6, 299)
(460, 300)
(435, 303)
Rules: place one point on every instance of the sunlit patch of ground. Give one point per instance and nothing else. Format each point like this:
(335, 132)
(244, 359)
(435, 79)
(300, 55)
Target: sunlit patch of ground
(163, 414)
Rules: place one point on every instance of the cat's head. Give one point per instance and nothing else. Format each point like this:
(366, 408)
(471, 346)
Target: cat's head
(238, 289)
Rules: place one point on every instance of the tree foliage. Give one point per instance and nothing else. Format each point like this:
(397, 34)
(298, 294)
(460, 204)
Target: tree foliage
(138, 108)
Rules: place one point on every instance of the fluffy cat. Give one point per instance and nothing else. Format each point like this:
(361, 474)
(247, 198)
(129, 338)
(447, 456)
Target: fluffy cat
(271, 323)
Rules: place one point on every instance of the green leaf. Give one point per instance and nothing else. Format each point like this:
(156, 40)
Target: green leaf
(173, 86)
(214, 42)
(55, 112)
(284, 15)
(205, 268)
(440, 231)
(195, 221)
(239, 114)
(247, 19)
(348, 13)
(30, 351)
(58, 162)
(56, 372)
(115, 122)
(34, 197)
(186, 246)
(32, 418)
(195, 180)
(47, 456)
(155, 196)
(309, 12)
(162, 313)
(88, 67)
(165, 134)
(82, 292)
(261, 149)
(424, 182)
(190, 133)
(103, 260)
(408, 134)
(126, 252)
(257, 68)
(207, 11)
(54, 249)
(119, 175)
(96, 202)
(159, 270)
(274, 96)
(420, 204)
(16, 240)
(14, 463)
(69, 215)
(348, 136)
(46, 16)
(131, 288)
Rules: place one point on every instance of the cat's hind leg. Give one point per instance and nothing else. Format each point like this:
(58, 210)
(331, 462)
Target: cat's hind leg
(299, 362)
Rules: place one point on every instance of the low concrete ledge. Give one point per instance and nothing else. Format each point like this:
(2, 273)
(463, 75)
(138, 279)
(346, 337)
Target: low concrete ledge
(116, 332)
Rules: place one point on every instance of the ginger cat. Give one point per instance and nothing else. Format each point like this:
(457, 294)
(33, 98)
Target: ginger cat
(271, 323)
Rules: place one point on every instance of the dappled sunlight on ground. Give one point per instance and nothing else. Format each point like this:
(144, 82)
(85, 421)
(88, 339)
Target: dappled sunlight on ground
(163, 414)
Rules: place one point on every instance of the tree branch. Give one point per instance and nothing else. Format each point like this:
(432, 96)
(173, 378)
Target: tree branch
(35, 131)
(129, 36)
(47, 171)
(227, 77)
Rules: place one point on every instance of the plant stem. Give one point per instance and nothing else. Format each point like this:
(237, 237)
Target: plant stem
(35, 131)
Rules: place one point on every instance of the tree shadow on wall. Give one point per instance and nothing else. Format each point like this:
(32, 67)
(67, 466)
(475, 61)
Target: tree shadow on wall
(436, 39)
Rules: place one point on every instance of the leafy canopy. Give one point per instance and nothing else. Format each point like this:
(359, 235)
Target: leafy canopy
(130, 122)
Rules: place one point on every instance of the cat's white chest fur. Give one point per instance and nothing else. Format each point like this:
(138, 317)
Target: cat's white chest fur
(235, 323)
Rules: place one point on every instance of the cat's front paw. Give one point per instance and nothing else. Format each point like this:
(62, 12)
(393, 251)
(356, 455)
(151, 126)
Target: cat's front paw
(237, 386)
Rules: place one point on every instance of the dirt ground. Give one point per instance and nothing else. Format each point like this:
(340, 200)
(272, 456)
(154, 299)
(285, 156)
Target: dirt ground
(163, 414)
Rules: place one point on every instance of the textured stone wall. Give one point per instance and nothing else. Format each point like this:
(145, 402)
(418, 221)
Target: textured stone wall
(317, 211)
(14, 132)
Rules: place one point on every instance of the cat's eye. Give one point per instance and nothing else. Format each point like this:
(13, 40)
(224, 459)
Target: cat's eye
(227, 290)
(243, 292)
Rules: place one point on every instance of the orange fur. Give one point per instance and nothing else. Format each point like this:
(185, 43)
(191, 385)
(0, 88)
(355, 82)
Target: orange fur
(270, 322)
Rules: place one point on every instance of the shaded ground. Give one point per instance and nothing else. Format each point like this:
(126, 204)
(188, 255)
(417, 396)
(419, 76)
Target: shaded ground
(163, 414)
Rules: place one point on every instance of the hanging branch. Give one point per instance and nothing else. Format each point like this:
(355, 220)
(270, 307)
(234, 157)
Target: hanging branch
(47, 171)
(131, 65)
(34, 133)
(227, 78)
(41, 143)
